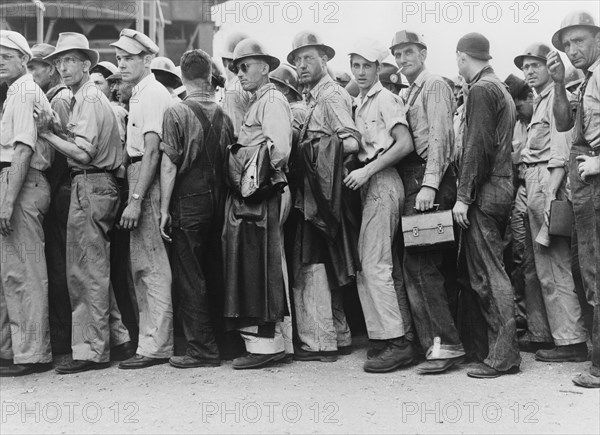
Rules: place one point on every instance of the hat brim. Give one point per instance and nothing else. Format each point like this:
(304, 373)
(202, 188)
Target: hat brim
(92, 55)
(272, 61)
(166, 71)
(519, 59)
(114, 77)
(557, 37)
(330, 52)
(281, 82)
(125, 45)
(420, 44)
(40, 60)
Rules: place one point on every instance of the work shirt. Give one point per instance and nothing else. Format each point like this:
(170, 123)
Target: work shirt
(147, 106)
(183, 135)
(377, 113)
(236, 102)
(542, 135)
(490, 117)
(93, 128)
(60, 101)
(430, 103)
(332, 111)
(269, 119)
(519, 142)
(18, 125)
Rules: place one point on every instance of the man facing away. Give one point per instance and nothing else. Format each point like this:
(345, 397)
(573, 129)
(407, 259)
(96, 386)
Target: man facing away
(484, 199)
(196, 133)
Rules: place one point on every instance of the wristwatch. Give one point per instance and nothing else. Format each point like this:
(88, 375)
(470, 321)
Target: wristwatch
(136, 196)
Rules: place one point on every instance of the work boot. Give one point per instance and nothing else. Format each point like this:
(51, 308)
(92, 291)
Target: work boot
(569, 353)
(256, 361)
(397, 352)
(376, 348)
(587, 380)
(24, 369)
(188, 362)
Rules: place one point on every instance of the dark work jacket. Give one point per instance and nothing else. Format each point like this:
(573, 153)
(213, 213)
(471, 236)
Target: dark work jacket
(485, 173)
(329, 231)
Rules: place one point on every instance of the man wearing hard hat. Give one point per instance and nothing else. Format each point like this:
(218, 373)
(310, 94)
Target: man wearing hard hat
(148, 254)
(544, 158)
(235, 100)
(24, 200)
(428, 179)
(579, 38)
(381, 121)
(327, 259)
(256, 284)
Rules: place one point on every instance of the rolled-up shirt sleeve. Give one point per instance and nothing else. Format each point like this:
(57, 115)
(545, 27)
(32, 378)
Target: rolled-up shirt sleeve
(277, 129)
(25, 128)
(172, 139)
(154, 115)
(439, 109)
(479, 143)
(392, 111)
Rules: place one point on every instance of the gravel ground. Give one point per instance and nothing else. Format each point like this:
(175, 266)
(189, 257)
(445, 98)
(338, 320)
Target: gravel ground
(309, 397)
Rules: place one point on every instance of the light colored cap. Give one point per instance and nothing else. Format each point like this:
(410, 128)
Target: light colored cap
(371, 49)
(135, 42)
(16, 41)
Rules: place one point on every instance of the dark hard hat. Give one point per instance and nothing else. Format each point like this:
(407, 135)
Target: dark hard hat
(231, 42)
(309, 39)
(404, 37)
(574, 19)
(286, 75)
(390, 74)
(475, 45)
(538, 50)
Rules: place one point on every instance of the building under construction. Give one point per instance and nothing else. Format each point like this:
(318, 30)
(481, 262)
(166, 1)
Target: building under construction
(175, 25)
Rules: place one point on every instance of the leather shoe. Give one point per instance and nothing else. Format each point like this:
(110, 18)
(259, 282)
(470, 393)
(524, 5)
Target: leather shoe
(439, 365)
(570, 353)
(140, 362)
(255, 360)
(345, 350)
(78, 366)
(397, 353)
(323, 355)
(6, 362)
(24, 369)
(587, 380)
(123, 351)
(189, 362)
(483, 371)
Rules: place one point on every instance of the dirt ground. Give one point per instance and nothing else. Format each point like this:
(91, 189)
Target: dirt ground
(302, 397)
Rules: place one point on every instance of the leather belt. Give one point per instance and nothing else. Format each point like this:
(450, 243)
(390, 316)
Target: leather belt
(89, 172)
(5, 165)
(533, 165)
(135, 159)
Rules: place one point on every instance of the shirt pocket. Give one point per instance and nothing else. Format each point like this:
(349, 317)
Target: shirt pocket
(539, 136)
(591, 122)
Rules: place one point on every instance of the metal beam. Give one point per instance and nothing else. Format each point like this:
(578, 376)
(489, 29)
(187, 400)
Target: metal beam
(139, 20)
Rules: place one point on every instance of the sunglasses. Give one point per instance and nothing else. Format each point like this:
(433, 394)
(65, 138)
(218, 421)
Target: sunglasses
(243, 67)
